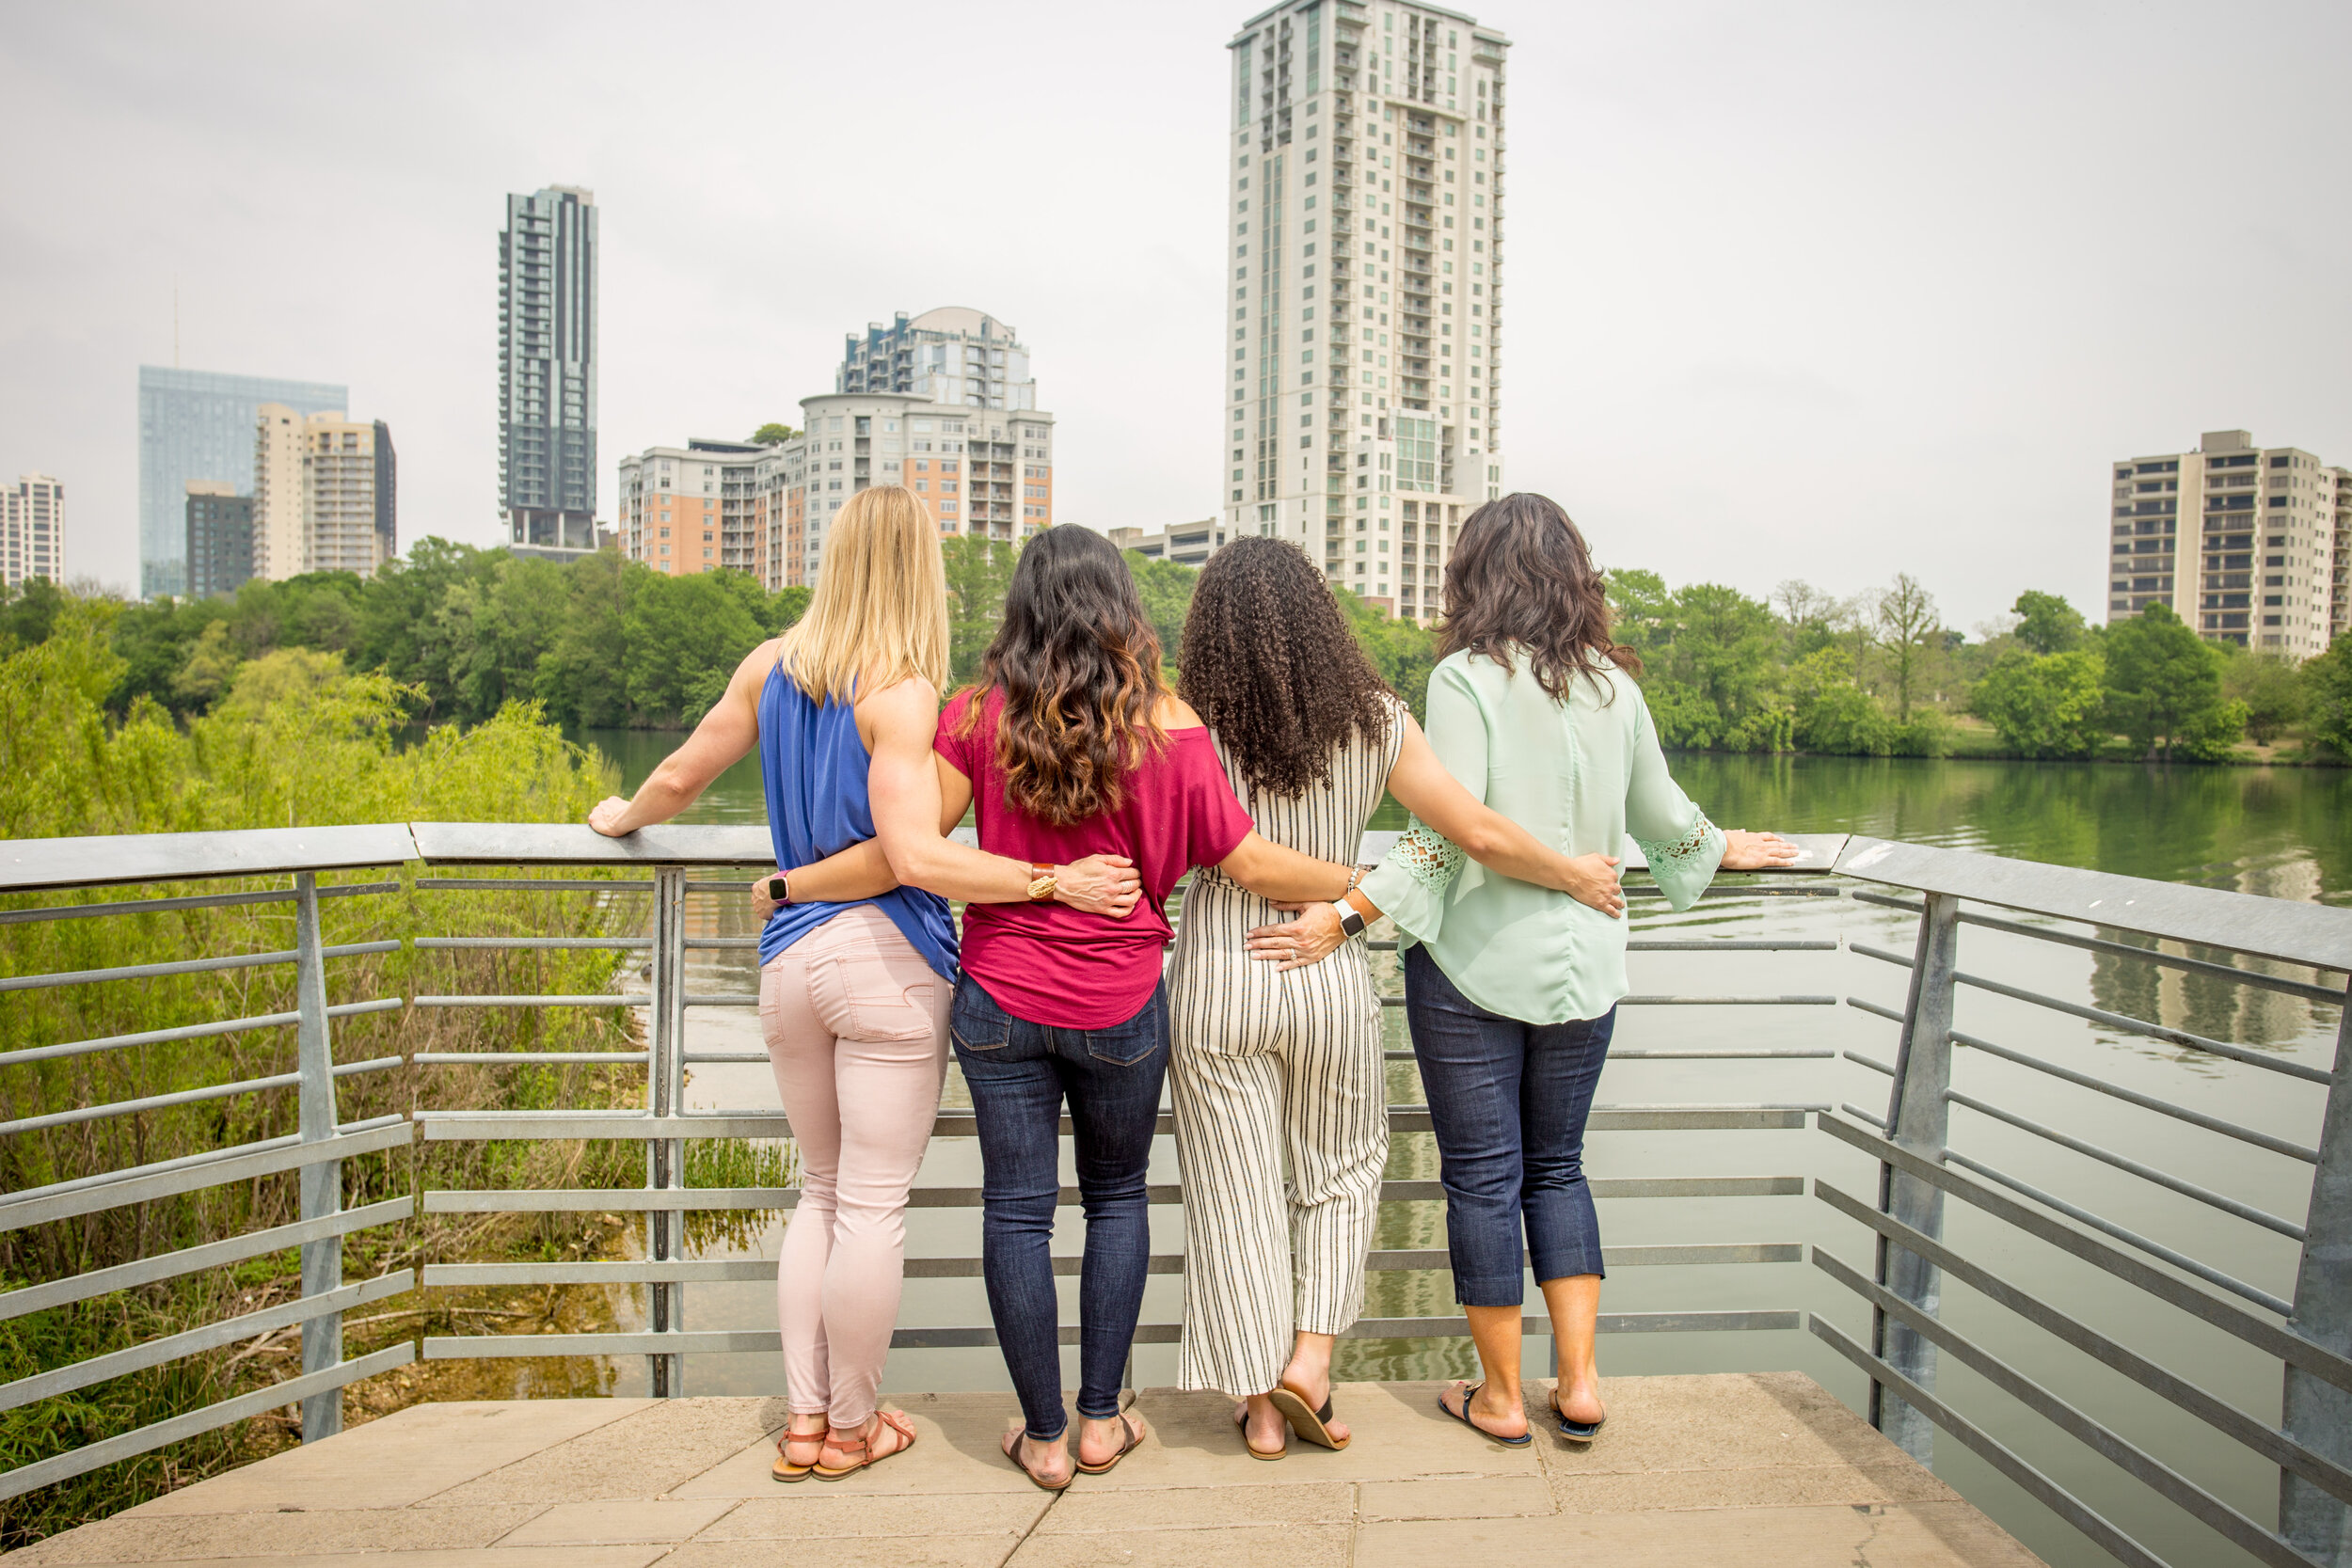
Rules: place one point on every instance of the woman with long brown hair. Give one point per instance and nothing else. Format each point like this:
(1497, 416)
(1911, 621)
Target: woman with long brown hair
(855, 969)
(1512, 989)
(1070, 745)
(1282, 1069)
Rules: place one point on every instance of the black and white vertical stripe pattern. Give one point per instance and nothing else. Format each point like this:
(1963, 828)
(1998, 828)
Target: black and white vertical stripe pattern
(1271, 1072)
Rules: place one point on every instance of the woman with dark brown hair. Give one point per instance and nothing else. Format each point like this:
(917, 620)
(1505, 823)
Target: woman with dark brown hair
(1283, 1067)
(1069, 746)
(1512, 989)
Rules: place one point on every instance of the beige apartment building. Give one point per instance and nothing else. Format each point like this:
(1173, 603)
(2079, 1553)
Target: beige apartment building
(32, 531)
(2247, 544)
(714, 505)
(1186, 544)
(1365, 221)
(325, 494)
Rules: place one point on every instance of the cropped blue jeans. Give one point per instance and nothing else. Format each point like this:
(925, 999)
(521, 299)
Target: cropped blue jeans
(1509, 1101)
(1020, 1074)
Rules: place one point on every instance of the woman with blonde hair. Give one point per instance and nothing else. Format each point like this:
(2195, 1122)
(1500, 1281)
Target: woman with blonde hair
(855, 970)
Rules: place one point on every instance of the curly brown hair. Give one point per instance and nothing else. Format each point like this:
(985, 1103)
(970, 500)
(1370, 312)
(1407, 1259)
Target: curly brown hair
(1521, 577)
(1079, 666)
(1272, 668)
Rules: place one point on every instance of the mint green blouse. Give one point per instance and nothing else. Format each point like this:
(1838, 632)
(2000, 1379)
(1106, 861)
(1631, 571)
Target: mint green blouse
(1581, 774)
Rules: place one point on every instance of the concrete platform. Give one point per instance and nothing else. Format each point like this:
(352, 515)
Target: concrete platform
(1765, 1469)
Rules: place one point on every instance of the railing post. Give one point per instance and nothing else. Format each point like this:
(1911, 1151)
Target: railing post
(665, 1085)
(322, 1182)
(1918, 1116)
(2318, 1415)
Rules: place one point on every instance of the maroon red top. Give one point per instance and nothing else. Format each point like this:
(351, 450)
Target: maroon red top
(1055, 965)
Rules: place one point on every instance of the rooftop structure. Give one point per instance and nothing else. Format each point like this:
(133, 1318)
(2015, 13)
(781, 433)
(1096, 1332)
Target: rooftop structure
(951, 355)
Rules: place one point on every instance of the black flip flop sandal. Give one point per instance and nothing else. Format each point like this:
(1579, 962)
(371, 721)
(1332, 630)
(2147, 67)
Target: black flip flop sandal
(1312, 1425)
(1576, 1431)
(1470, 1391)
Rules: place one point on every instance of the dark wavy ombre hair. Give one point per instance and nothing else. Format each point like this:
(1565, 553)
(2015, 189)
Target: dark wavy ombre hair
(1272, 668)
(1521, 581)
(1079, 666)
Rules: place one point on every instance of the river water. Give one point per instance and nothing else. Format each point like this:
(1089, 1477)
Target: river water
(2282, 833)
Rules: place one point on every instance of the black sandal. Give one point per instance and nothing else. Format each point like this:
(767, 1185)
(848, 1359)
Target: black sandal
(1470, 1391)
(1576, 1431)
(1312, 1425)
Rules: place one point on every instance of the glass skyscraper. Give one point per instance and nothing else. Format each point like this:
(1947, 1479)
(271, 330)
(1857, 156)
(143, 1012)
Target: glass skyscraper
(198, 424)
(547, 370)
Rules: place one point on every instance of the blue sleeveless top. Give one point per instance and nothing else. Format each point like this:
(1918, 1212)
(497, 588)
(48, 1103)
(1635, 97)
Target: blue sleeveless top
(813, 762)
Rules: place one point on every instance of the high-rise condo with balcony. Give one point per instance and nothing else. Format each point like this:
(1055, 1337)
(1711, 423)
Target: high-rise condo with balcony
(1366, 160)
(322, 493)
(32, 531)
(2247, 544)
(548, 349)
(198, 426)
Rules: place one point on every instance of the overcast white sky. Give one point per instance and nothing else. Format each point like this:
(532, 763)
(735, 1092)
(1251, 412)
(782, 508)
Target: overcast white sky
(1810, 290)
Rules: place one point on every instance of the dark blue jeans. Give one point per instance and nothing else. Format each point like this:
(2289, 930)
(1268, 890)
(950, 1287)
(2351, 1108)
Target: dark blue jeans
(1508, 1101)
(1019, 1073)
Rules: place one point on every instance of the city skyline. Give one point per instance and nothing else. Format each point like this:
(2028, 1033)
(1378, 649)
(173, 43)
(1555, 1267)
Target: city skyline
(1903, 240)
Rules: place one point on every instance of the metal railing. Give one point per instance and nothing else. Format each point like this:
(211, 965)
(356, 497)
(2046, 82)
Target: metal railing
(2305, 1331)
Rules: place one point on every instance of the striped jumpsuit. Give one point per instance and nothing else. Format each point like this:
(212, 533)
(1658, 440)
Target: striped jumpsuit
(1276, 1074)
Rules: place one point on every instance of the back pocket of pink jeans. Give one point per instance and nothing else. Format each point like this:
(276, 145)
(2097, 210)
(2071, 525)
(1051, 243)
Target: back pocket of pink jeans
(877, 1005)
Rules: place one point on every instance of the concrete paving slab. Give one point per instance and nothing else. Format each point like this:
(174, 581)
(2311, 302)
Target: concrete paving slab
(1303, 1546)
(646, 1453)
(528, 1556)
(619, 1522)
(894, 1552)
(1904, 1535)
(1400, 1434)
(955, 1450)
(1478, 1497)
(401, 1459)
(1775, 1487)
(139, 1537)
(1136, 1509)
(1714, 1421)
(811, 1511)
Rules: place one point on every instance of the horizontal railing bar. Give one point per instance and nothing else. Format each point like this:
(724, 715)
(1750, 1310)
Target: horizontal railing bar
(1892, 1015)
(183, 1097)
(1860, 1115)
(2156, 955)
(1689, 1001)
(711, 1059)
(1729, 945)
(148, 972)
(2154, 1031)
(2129, 1237)
(1730, 1054)
(475, 1058)
(606, 999)
(1901, 960)
(184, 1032)
(2124, 1163)
(1913, 904)
(720, 998)
(2131, 1460)
(244, 1407)
(447, 1126)
(2132, 1097)
(449, 944)
(460, 1347)
(1871, 1062)
(2228, 1316)
(2059, 1500)
(1650, 890)
(154, 1353)
(702, 944)
(170, 1265)
(527, 884)
(147, 906)
(2226, 1418)
(717, 887)
(763, 1270)
(90, 1193)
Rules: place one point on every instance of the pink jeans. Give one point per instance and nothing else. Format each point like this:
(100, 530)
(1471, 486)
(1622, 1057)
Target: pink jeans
(856, 1025)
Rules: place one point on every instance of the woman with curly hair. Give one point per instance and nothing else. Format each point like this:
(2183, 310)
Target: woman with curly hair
(1267, 1062)
(1069, 746)
(1512, 990)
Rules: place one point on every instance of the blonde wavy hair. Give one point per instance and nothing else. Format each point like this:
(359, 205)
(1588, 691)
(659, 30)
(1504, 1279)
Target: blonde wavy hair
(879, 611)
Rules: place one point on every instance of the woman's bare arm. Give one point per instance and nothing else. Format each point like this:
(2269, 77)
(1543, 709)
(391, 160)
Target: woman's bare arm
(725, 738)
(1422, 783)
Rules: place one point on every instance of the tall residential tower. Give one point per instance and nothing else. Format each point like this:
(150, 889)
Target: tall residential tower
(1366, 163)
(547, 370)
(32, 531)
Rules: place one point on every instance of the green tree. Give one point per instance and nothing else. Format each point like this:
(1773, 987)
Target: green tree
(2327, 701)
(978, 574)
(1401, 651)
(27, 613)
(582, 678)
(2271, 689)
(773, 435)
(1906, 627)
(2164, 686)
(2046, 705)
(1814, 618)
(2046, 623)
(1834, 716)
(1167, 590)
(685, 635)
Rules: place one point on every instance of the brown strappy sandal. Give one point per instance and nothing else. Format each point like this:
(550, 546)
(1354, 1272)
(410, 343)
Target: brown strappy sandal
(864, 1447)
(784, 1467)
(1305, 1420)
(1132, 1429)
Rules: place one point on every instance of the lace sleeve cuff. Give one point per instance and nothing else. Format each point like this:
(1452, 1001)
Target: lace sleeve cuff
(1682, 868)
(1409, 886)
